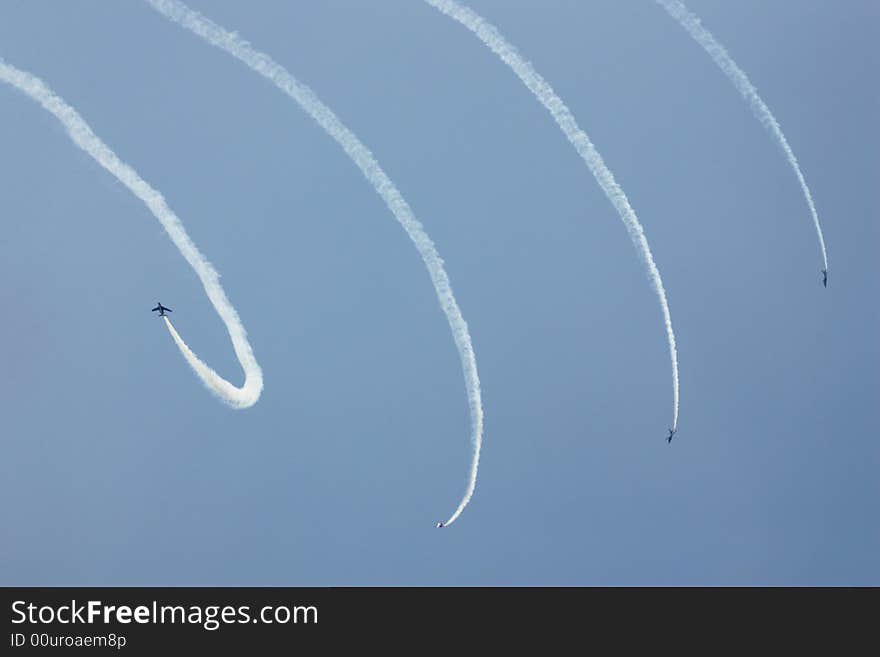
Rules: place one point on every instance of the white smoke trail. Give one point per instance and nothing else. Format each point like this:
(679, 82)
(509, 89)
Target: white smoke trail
(216, 384)
(491, 37)
(82, 136)
(737, 76)
(363, 158)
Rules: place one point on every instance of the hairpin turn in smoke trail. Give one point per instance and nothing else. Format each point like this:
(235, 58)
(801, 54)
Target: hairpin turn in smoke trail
(82, 136)
(267, 67)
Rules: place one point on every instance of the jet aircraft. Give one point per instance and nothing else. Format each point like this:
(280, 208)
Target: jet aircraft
(162, 309)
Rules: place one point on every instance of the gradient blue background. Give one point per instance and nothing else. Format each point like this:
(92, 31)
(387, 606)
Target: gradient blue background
(119, 468)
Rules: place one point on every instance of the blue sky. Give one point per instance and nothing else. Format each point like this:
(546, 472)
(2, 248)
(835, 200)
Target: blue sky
(119, 468)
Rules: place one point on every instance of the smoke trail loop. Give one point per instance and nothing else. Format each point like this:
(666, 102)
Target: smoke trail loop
(364, 159)
(82, 135)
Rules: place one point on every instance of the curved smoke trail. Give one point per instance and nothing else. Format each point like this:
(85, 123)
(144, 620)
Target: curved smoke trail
(740, 80)
(363, 158)
(82, 136)
(491, 37)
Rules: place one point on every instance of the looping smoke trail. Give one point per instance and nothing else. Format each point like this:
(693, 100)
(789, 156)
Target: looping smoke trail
(491, 37)
(82, 136)
(363, 158)
(737, 76)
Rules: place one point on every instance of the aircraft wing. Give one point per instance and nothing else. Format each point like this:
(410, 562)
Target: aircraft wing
(154, 309)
